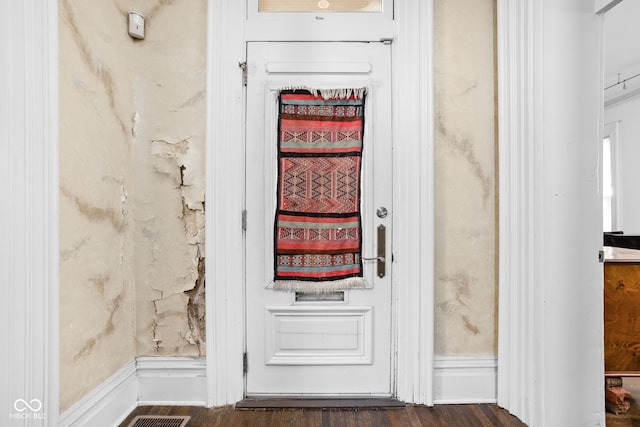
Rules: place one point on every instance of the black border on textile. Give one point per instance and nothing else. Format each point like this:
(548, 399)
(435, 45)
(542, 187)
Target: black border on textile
(325, 215)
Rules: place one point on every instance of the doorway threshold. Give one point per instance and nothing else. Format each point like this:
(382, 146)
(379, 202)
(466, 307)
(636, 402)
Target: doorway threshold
(319, 403)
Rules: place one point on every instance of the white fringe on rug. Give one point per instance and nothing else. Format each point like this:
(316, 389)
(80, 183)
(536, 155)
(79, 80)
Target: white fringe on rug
(344, 93)
(321, 287)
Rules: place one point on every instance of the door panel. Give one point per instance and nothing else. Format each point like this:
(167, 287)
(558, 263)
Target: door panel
(308, 335)
(303, 343)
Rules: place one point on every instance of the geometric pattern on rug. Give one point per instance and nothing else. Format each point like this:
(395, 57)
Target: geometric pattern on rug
(317, 231)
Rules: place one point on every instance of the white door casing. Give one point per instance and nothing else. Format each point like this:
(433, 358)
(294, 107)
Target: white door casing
(412, 76)
(29, 247)
(318, 346)
(550, 282)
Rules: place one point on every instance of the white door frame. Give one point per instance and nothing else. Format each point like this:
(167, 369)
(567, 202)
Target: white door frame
(412, 66)
(550, 78)
(29, 217)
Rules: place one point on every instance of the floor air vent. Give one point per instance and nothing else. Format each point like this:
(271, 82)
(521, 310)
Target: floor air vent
(159, 421)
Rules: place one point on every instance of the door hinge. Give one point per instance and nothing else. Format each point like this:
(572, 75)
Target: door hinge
(245, 363)
(244, 220)
(243, 67)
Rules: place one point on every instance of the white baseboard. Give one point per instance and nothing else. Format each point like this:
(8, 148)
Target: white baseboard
(465, 379)
(108, 404)
(182, 381)
(172, 381)
(143, 381)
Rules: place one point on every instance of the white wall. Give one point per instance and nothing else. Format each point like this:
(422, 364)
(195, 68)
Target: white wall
(570, 223)
(622, 103)
(628, 114)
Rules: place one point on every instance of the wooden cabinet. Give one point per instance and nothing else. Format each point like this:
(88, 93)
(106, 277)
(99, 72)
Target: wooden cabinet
(622, 315)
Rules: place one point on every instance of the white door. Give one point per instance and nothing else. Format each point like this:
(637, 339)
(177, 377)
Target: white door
(305, 343)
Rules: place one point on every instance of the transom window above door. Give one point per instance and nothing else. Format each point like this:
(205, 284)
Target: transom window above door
(320, 5)
(320, 20)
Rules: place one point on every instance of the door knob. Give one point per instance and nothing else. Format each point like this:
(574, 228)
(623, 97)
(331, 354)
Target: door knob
(382, 212)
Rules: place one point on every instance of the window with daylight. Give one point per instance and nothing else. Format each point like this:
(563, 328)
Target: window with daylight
(609, 178)
(320, 5)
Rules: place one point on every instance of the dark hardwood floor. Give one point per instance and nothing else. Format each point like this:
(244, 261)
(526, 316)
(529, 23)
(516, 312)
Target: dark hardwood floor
(481, 415)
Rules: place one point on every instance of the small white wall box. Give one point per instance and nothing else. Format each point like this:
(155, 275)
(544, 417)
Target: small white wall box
(136, 25)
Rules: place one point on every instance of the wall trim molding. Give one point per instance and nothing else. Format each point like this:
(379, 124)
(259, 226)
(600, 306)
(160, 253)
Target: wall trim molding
(224, 190)
(171, 381)
(29, 245)
(622, 97)
(465, 379)
(166, 381)
(413, 272)
(519, 335)
(108, 404)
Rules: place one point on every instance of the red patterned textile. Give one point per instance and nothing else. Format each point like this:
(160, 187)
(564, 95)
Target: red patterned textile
(318, 234)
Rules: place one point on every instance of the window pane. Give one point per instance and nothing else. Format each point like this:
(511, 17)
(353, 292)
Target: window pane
(320, 5)
(607, 186)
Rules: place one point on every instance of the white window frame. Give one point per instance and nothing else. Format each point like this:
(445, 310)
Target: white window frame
(319, 26)
(612, 131)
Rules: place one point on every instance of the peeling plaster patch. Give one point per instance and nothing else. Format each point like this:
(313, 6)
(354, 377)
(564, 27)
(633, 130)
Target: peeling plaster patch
(175, 303)
(123, 192)
(196, 310)
(135, 120)
(108, 329)
(169, 312)
(98, 214)
(469, 326)
(123, 201)
(178, 162)
(170, 151)
(194, 222)
(153, 238)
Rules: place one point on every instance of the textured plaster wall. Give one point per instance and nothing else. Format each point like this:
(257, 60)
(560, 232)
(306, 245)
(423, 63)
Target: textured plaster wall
(465, 177)
(132, 184)
(96, 205)
(170, 105)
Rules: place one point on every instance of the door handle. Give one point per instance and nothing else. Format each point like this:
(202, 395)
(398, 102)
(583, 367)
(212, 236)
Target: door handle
(382, 248)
